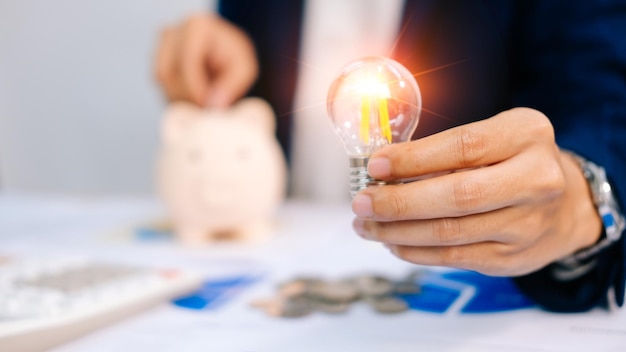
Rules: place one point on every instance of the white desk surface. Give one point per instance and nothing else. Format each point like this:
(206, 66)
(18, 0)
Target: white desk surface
(312, 239)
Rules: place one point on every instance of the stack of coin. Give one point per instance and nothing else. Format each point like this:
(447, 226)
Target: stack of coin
(302, 296)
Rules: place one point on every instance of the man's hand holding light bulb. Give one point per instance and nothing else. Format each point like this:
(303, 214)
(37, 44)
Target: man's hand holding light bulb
(495, 196)
(505, 201)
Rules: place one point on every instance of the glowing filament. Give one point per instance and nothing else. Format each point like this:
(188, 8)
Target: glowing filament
(383, 117)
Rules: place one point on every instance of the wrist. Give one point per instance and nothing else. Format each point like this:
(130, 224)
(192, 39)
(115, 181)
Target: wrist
(607, 215)
(585, 224)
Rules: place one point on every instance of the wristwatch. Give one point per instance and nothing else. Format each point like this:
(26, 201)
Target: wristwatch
(613, 221)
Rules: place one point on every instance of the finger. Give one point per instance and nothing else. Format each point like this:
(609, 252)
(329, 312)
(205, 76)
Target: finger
(477, 144)
(193, 56)
(526, 178)
(490, 258)
(492, 226)
(235, 66)
(164, 70)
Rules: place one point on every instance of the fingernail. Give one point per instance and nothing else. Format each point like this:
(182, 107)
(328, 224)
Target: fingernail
(358, 226)
(379, 167)
(362, 206)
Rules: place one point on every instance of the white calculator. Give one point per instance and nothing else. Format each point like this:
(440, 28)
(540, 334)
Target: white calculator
(45, 302)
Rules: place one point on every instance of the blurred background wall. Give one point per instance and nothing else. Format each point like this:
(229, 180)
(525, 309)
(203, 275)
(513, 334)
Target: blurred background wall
(79, 109)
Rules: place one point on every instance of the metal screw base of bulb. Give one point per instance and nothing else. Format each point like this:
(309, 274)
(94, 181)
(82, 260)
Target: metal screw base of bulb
(359, 178)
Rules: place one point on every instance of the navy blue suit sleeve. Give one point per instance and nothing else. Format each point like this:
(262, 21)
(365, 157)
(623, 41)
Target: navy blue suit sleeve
(570, 63)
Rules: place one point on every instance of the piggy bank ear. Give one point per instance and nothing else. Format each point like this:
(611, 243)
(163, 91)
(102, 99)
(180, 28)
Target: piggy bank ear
(178, 117)
(256, 111)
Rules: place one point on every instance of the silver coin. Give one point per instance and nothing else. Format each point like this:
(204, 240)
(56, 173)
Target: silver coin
(292, 289)
(340, 292)
(289, 308)
(330, 307)
(415, 274)
(388, 305)
(296, 308)
(406, 288)
(372, 285)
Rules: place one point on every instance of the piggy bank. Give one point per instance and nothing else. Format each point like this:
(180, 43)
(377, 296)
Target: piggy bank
(222, 173)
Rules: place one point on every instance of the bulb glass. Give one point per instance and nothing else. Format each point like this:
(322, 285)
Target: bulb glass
(373, 102)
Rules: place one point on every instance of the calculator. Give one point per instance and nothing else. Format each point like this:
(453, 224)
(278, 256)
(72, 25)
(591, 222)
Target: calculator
(45, 302)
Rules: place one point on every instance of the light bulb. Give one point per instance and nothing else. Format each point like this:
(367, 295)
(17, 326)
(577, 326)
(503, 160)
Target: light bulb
(374, 101)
